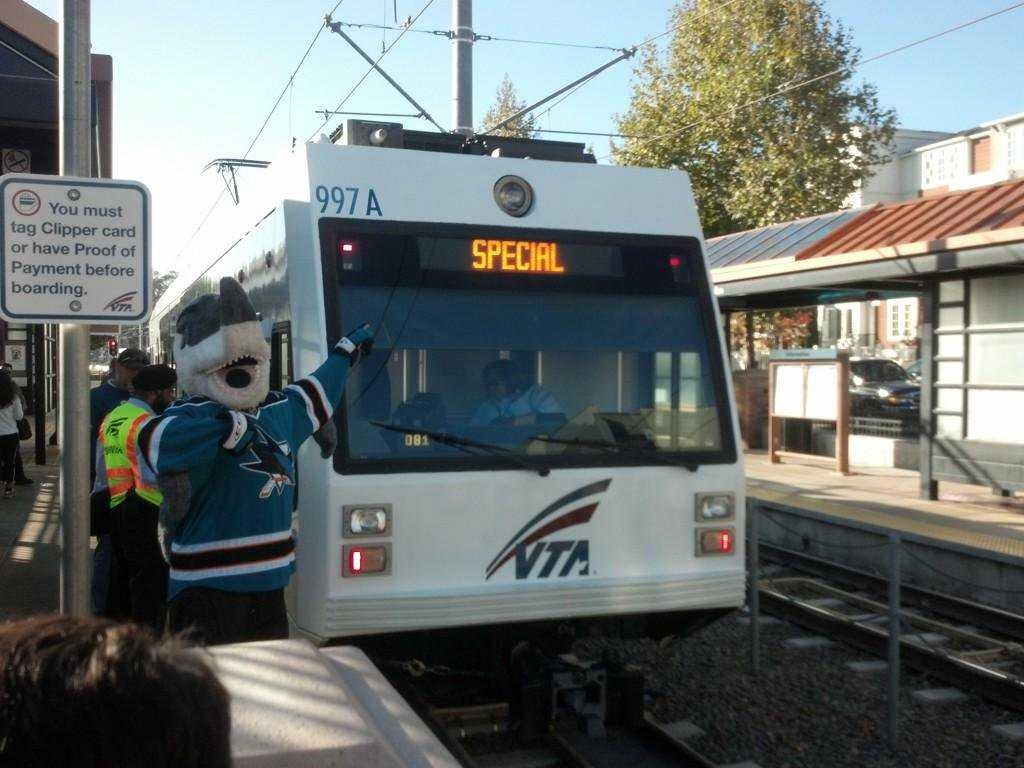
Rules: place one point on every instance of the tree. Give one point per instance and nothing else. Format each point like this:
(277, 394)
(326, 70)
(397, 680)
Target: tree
(756, 159)
(161, 282)
(506, 104)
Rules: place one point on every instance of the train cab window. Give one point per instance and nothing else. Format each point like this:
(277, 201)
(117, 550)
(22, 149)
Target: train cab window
(615, 366)
(280, 357)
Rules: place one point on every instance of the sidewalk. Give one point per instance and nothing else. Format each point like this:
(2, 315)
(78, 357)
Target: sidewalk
(30, 543)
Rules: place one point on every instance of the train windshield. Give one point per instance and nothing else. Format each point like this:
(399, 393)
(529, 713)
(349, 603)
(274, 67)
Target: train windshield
(560, 350)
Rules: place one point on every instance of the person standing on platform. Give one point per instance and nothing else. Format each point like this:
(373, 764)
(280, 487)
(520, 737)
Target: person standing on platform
(20, 478)
(10, 414)
(126, 490)
(102, 400)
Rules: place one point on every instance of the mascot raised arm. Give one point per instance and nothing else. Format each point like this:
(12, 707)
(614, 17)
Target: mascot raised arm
(225, 459)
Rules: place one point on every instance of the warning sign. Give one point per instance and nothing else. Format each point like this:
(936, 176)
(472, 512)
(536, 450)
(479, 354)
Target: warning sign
(15, 161)
(74, 250)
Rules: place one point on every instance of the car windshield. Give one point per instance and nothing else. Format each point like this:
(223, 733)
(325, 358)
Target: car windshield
(878, 370)
(505, 363)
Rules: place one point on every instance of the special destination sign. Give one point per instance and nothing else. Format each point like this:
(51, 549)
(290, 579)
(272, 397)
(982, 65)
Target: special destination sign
(74, 250)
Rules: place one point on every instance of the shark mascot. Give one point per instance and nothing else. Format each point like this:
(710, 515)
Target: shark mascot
(225, 461)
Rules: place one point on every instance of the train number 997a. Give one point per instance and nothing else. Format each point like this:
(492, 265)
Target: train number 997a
(348, 201)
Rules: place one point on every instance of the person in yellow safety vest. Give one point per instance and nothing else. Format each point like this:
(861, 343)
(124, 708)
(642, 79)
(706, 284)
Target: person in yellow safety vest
(126, 491)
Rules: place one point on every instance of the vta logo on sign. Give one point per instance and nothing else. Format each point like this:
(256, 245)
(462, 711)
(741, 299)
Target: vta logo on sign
(528, 544)
(123, 303)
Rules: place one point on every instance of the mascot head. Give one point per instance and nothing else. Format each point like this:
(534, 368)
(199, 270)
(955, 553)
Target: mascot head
(220, 351)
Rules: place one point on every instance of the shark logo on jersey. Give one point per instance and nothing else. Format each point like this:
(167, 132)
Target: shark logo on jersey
(528, 544)
(267, 454)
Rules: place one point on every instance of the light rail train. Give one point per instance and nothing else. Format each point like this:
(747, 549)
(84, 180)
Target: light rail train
(544, 436)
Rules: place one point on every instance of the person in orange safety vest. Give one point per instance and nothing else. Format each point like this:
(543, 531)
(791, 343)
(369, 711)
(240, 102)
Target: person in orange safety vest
(126, 493)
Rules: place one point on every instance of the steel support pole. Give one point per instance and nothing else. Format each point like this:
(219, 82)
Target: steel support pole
(76, 160)
(462, 66)
(754, 598)
(894, 638)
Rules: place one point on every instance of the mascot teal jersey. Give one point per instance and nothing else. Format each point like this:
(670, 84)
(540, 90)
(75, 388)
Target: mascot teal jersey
(225, 458)
(237, 533)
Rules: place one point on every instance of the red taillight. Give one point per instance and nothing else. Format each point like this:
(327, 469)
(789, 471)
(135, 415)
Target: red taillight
(715, 541)
(365, 560)
(347, 247)
(675, 261)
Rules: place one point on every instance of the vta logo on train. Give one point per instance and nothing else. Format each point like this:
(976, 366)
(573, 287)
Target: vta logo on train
(528, 544)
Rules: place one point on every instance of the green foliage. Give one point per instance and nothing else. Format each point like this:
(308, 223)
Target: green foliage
(506, 104)
(796, 154)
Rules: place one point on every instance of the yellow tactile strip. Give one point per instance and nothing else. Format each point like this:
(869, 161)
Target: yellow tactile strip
(898, 519)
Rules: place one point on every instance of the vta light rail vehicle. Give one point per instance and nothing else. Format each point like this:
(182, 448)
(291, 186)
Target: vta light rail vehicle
(543, 439)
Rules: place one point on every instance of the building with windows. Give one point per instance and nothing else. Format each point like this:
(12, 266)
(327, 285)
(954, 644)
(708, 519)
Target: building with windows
(927, 163)
(957, 260)
(29, 143)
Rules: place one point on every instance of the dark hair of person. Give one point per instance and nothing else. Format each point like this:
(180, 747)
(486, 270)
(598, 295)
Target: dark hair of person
(505, 371)
(85, 691)
(6, 388)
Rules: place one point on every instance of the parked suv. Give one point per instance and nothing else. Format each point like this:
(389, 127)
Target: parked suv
(882, 388)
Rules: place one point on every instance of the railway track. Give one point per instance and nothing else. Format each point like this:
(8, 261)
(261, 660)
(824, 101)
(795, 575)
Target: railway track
(985, 657)
(484, 736)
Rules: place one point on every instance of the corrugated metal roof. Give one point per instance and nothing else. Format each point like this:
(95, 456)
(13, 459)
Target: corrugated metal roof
(928, 220)
(776, 241)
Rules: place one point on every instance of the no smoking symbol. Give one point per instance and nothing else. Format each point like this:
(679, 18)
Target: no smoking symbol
(16, 161)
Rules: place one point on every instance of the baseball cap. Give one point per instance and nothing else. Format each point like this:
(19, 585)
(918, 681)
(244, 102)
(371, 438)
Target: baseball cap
(133, 358)
(153, 378)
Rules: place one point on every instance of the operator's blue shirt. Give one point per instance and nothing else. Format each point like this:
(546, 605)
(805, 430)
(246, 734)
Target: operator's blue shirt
(237, 535)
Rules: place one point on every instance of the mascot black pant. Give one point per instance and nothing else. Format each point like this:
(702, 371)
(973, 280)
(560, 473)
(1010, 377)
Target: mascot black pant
(217, 617)
(138, 574)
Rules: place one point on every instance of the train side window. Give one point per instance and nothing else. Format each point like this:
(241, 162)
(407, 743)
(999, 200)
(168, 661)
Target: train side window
(280, 356)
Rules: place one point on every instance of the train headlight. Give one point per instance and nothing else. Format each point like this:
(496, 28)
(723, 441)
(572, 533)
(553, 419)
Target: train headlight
(366, 520)
(513, 195)
(714, 506)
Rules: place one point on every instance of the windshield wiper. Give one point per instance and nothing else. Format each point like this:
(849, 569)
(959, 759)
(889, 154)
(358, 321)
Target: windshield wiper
(462, 443)
(627, 450)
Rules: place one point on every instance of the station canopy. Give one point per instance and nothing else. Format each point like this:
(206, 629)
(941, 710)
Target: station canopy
(881, 251)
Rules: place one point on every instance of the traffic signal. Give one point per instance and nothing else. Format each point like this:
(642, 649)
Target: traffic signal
(112, 347)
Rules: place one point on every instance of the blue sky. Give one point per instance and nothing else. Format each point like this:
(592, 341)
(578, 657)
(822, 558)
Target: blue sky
(194, 80)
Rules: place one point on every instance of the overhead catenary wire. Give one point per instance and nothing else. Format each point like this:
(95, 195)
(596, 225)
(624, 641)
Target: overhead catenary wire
(277, 102)
(833, 73)
(573, 87)
(373, 66)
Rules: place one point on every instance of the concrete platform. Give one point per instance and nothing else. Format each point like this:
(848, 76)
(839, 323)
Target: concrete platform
(1012, 731)
(683, 730)
(30, 543)
(888, 498)
(970, 543)
(295, 705)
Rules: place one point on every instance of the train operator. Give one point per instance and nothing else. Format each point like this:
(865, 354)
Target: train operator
(509, 400)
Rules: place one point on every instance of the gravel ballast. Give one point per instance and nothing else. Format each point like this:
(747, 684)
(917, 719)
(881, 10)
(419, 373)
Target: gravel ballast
(806, 708)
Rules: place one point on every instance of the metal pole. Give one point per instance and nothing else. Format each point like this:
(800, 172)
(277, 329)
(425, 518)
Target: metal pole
(462, 66)
(754, 598)
(894, 638)
(76, 160)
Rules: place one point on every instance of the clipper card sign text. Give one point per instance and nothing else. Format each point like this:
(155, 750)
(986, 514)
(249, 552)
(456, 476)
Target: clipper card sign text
(74, 250)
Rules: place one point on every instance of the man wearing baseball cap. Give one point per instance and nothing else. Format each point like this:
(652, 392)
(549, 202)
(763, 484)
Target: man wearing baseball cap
(102, 400)
(126, 490)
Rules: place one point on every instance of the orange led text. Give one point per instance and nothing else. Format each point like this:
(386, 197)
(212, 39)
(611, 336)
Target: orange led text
(516, 256)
